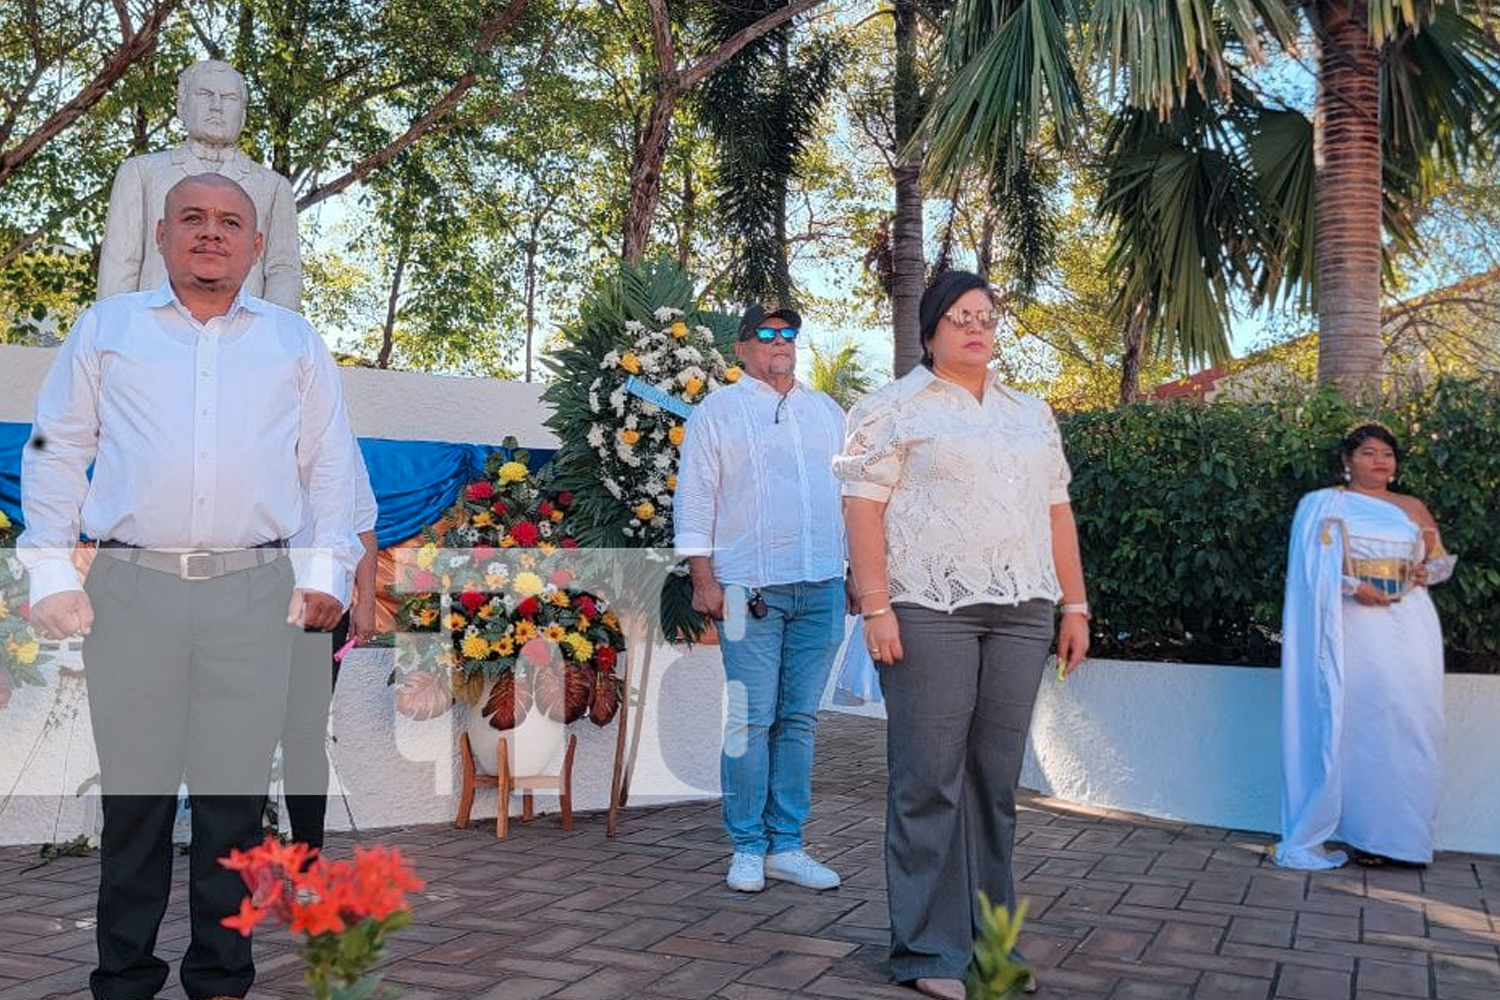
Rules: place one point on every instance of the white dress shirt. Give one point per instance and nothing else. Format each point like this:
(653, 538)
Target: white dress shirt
(366, 514)
(202, 435)
(755, 486)
(968, 488)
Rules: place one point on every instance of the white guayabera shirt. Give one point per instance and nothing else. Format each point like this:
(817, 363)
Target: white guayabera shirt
(755, 485)
(202, 435)
(969, 488)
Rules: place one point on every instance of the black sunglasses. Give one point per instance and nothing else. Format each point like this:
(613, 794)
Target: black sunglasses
(766, 334)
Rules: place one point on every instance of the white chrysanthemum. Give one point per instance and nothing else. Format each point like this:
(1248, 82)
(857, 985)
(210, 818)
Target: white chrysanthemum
(611, 360)
(633, 326)
(617, 402)
(663, 460)
(689, 355)
(614, 488)
(666, 313)
(632, 422)
(593, 401)
(596, 436)
(649, 409)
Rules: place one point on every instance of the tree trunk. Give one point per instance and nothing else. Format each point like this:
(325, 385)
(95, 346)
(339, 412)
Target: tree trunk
(1347, 233)
(984, 253)
(645, 175)
(531, 246)
(909, 263)
(388, 333)
(689, 217)
(1130, 361)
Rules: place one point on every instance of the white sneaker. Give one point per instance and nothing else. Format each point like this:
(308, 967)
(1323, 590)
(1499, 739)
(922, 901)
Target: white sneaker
(747, 872)
(798, 868)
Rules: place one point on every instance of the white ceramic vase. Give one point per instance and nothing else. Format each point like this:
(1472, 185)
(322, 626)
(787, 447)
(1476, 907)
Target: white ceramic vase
(535, 745)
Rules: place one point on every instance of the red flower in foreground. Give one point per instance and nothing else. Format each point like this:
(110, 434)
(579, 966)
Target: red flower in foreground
(499, 509)
(565, 499)
(525, 534)
(529, 608)
(482, 490)
(472, 600)
(544, 509)
(604, 658)
(570, 543)
(560, 578)
(586, 606)
(483, 553)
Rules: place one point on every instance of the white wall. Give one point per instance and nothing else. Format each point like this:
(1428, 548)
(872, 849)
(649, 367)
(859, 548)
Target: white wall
(1202, 744)
(404, 406)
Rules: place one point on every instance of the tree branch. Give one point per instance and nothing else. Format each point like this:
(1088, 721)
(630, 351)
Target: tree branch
(491, 31)
(131, 49)
(661, 43)
(731, 46)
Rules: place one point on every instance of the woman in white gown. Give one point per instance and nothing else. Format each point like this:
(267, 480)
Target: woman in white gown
(1362, 668)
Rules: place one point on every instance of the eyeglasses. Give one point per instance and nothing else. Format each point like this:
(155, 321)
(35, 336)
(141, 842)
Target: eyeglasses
(766, 334)
(986, 318)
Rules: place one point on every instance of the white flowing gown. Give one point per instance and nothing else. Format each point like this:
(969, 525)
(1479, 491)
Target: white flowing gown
(1362, 693)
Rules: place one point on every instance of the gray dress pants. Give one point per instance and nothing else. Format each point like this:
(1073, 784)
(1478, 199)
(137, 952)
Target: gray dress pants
(958, 706)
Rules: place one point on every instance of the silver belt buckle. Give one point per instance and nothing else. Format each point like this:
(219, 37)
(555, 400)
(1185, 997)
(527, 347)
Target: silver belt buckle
(203, 561)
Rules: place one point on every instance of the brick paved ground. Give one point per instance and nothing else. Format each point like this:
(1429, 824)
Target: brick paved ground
(1121, 907)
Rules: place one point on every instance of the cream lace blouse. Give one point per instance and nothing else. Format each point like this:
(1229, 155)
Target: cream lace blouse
(968, 487)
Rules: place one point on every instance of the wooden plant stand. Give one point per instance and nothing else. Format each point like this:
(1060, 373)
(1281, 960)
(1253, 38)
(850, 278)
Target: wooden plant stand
(507, 784)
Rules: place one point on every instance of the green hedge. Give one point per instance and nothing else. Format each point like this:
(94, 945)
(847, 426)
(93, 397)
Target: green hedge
(1184, 511)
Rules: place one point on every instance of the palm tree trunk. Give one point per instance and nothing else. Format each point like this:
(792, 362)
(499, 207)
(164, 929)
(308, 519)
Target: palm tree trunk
(909, 262)
(1347, 233)
(1130, 361)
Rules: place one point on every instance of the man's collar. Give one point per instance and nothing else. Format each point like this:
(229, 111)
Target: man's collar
(164, 295)
(763, 386)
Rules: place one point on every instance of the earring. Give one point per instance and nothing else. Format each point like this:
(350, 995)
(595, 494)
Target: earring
(1346, 473)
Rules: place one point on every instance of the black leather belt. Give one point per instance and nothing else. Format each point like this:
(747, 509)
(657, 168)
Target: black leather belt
(200, 564)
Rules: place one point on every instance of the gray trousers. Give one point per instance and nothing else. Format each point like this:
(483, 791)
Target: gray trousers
(958, 706)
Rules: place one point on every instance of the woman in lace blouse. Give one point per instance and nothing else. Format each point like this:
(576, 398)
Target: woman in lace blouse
(961, 542)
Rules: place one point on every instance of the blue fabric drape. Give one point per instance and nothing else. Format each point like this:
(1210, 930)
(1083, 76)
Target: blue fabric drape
(414, 481)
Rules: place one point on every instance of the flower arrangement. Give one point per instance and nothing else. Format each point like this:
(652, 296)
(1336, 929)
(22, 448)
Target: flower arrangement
(343, 909)
(20, 652)
(619, 451)
(635, 440)
(497, 576)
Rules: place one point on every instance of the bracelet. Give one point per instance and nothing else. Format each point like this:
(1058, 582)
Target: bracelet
(1081, 608)
(875, 590)
(877, 612)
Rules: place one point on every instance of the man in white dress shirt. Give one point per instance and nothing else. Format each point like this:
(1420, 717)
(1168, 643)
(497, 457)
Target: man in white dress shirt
(207, 415)
(211, 106)
(757, 514)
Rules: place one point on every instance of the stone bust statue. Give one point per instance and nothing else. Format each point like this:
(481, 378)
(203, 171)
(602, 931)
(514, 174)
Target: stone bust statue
(211, 106)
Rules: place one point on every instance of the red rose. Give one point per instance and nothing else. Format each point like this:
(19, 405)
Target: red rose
(424, 580)
(472, 600)
(560, 578)
(569, 543)
(539, 652)
(544, 509)
(604, 658)
(585, 604)
(565, 499)
(482, 490)
(482, 553)
(529, 608)
(499, 509)
(525, 533)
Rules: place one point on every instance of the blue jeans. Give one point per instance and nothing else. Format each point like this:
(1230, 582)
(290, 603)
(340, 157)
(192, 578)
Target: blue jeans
(776, 671)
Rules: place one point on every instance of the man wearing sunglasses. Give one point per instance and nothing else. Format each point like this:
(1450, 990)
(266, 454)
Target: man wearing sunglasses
(757, 515)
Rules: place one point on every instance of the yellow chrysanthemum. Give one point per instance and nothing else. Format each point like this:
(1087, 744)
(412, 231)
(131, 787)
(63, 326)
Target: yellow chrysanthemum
(528, 584)
(583, 622)
(557, 515)
(580, 647)
(558, 598)
(629, 436)
(4, 521)
(671, 482)
(457, 622)
(503, 646)
(731, 374)
(486, 611)
(555, 632)
(482, 520)
(512, 472)
(24, 652)
(610, 620)
(475, 647)
(645, 510)
(527, 560)
(427, 616)
(693, 387)
(631, 363)
(525, 632)
(678, 329)
(677, 435)
(427, 555)
(494, 581)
